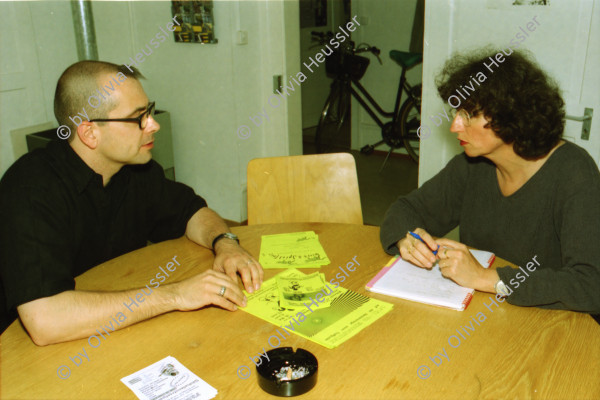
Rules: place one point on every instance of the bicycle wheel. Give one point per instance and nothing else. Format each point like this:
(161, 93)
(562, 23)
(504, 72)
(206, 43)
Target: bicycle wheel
(410, 121)
(329, 137)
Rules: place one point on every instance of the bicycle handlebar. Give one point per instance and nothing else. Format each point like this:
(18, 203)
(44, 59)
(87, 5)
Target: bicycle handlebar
(372, 49)
(376, 52)
(322, 37)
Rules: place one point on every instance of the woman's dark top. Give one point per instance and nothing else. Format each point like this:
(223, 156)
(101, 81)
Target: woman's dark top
(555, 216)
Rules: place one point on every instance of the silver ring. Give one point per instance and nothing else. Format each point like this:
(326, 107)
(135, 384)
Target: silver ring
(249, 262)
(222, 292)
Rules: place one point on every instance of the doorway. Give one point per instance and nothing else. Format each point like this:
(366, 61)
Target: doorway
(389, 25)
(319, 16)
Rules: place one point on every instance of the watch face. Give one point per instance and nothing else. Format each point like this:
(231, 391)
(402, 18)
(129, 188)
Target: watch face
(501, 289)
(230, 236)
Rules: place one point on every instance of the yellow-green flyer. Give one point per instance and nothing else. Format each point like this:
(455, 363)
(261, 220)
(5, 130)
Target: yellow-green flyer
(292, 250)
(348, 313)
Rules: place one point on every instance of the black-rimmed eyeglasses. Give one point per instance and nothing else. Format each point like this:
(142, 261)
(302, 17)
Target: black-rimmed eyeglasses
(142, 120)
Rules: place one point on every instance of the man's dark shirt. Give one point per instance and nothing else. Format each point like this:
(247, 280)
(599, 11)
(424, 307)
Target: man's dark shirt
(57, 220)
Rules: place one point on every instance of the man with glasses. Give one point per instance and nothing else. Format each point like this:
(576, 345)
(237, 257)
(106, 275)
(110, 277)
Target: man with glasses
(78, 203)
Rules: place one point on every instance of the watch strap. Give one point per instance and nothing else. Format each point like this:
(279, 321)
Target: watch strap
(226, 235)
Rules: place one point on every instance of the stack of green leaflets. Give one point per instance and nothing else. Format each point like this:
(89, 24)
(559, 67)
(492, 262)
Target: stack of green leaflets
(294, 291)
(292, 250)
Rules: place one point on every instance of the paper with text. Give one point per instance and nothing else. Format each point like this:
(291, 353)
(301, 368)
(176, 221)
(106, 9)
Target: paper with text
(328, 324)
(292, 250)
(168, 379)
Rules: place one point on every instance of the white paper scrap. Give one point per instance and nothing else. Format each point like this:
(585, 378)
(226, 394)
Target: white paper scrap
(168, 379)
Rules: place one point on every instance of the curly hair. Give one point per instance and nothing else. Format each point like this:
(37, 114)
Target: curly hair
(522, 104)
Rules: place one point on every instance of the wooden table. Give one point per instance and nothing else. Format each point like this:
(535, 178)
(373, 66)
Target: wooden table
(516, 352)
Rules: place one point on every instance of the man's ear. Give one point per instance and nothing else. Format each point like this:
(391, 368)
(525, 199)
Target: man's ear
(88, 134)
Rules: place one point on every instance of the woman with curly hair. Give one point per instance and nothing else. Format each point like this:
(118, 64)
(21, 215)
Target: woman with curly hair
(518, 190)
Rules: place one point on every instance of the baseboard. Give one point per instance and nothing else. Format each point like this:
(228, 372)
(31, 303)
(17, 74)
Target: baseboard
(235, 223)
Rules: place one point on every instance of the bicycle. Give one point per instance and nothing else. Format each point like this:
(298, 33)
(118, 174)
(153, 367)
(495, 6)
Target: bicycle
(347, 68)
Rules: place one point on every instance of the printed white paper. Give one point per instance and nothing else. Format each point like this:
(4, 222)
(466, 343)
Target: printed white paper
(168, 379)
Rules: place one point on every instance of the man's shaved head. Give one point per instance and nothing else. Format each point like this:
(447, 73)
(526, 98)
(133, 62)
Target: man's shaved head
(82, 80)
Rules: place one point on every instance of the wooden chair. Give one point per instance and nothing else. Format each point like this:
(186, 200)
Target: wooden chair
(311, 188)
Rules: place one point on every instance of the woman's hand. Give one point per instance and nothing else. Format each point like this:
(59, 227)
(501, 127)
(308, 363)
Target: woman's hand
(458, 264)
(417, 252)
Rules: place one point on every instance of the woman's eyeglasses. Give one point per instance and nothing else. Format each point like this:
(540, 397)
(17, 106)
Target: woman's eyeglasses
(463, 114)
(142, 120)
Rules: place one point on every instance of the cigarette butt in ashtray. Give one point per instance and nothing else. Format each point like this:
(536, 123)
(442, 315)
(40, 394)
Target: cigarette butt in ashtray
(288, 373)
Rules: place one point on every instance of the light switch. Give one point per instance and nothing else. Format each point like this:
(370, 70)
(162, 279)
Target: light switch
(242, 37)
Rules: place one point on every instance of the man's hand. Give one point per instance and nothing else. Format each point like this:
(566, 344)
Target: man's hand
(205, 288)
(458, 264)
(231, 258)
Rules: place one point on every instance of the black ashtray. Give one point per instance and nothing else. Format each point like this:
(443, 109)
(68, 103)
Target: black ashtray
(288, 373)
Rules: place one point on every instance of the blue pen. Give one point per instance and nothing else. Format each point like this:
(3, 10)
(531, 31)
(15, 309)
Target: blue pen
(421, 239)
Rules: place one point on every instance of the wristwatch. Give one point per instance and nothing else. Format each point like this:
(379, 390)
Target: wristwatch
(501, 288)
(227, 235)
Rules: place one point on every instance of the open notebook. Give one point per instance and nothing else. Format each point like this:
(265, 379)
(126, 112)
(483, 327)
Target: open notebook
(402, 279)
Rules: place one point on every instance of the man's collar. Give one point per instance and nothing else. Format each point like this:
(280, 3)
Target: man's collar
(78, 171)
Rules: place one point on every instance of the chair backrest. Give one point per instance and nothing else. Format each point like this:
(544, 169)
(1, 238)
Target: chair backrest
(311, 188)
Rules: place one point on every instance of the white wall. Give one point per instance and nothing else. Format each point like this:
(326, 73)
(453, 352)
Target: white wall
(564, 45)
(210, 90)
(34, 42)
